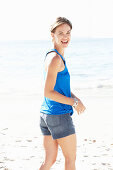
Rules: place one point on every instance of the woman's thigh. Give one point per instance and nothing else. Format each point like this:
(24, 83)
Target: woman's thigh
(68, 145)
(50, 146)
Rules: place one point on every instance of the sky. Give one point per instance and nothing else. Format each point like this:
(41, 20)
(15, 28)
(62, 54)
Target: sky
(31, 19)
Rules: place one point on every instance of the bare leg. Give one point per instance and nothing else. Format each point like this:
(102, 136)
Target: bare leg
(51, 150)
(68, 146)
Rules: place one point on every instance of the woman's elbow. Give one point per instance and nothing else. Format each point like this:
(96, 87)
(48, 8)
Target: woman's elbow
(47, 93)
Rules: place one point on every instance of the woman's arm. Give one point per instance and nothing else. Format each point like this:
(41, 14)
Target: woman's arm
(80, 107)
(73, 96)
(52, 70)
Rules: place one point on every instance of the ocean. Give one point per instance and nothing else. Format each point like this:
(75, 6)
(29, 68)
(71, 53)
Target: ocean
(90, 63)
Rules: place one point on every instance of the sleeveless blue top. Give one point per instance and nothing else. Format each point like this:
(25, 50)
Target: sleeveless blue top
(62, 86)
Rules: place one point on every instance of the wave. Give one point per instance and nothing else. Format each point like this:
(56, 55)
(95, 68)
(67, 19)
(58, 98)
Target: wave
(93, 85)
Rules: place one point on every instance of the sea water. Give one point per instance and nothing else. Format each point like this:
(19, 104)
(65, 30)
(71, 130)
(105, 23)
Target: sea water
(90, 63)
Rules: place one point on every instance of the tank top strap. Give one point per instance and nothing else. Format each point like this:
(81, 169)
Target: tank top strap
(56, 52)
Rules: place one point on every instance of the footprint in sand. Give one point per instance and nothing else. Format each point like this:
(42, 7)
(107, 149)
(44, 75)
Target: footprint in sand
(105, 164)
(23, 146)
(3, 167)
(90, 140)
(5, 129)
(96, 156)
(108, 149)
(85, 156)
(7, 159)
(1, 162)
(29, 140)
(2, 133)
(94, 141)
(18, 141)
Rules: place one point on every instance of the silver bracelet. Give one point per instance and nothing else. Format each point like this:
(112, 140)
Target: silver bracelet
(75, 102)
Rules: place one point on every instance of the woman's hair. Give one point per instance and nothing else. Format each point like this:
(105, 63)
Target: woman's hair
(59, 21)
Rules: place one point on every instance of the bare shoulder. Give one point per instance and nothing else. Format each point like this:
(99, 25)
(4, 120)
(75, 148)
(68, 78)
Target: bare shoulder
(53, 60)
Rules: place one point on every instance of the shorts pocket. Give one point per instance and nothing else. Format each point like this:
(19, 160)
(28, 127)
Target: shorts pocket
(53, 120)
(67, 117)
(67, 121)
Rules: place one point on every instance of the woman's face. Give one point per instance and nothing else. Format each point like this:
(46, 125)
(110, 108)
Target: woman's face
(62, 35)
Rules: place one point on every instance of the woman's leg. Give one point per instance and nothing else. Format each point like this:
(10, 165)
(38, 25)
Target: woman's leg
(68, 145)
(51, 150)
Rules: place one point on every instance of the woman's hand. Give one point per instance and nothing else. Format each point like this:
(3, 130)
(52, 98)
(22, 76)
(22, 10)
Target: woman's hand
(80, 108)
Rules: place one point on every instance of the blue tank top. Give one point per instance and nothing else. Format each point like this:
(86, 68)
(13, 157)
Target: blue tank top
(62, 86)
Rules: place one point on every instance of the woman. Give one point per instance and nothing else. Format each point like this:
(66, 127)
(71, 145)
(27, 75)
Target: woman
(55, 118)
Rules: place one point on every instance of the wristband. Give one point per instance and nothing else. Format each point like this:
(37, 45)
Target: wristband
(75, 102)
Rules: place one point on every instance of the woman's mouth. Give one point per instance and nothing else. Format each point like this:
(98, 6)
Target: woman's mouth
(64, 42)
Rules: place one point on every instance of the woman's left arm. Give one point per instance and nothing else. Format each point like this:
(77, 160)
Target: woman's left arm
(80, 107)
(73, 96)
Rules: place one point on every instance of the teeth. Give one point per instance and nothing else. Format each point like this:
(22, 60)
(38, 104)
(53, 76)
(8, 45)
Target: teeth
(64, 41)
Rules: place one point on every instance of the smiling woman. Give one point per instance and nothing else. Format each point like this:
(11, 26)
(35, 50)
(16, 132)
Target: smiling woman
(56, 110)
(62, 34)
(61, 31)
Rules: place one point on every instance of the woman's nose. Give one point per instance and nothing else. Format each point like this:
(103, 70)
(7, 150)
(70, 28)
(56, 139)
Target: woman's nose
(65, 36)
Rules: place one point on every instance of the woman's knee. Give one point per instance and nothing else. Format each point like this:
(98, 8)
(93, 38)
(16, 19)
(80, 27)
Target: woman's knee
(47, 164)
(50, 160)
(53, 160)
(70, 159)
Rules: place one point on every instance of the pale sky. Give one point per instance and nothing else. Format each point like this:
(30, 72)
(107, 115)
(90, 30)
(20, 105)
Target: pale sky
(31, 19)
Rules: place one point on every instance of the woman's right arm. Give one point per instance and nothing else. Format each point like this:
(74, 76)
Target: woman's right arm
(52, 69)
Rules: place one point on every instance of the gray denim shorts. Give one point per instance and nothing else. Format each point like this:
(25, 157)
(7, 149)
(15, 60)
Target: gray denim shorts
(58, 126)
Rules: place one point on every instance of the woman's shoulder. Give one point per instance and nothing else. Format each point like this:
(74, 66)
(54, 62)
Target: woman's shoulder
(52, 60)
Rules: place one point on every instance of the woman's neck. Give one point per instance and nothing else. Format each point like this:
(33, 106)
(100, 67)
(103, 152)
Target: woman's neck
(60, 50)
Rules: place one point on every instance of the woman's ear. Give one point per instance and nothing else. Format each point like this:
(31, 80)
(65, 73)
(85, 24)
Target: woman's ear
(52, 34)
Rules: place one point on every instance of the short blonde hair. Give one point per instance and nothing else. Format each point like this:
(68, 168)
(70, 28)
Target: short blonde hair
(59, 21)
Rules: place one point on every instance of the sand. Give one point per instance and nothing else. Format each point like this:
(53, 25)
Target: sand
(21, 140)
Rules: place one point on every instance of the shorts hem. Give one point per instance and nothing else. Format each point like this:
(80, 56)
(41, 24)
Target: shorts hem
(46, 134)
(65, 134)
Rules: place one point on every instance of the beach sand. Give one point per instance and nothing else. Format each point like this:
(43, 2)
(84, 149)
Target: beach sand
(21, 140)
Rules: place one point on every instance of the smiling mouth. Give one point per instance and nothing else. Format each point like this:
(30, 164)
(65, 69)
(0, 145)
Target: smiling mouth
(64, 42)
